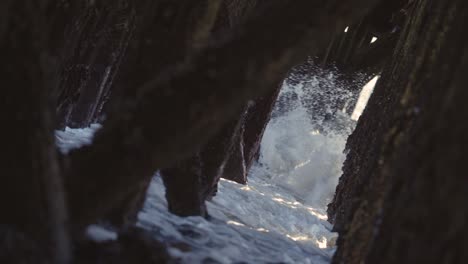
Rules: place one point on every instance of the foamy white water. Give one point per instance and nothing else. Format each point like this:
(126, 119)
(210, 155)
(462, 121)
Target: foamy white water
(70, 139)
(301, 150)
(279, 217)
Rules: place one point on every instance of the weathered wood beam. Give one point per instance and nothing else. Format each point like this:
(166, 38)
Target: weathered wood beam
(403, 193)
(32, 200)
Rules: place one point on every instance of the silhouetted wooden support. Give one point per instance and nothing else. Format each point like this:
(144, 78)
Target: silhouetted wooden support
(166, 34)
(96, 42)
(225, 151)
(183, 185)
(246, 147)
(32, 200)
(342, 197)
(402, 196)
(161, 41)
(193, 181)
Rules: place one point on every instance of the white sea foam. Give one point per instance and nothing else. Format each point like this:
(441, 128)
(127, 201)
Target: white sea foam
(70, 138)
(302, 150)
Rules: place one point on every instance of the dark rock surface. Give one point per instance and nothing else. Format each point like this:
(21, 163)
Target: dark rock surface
(400, 199)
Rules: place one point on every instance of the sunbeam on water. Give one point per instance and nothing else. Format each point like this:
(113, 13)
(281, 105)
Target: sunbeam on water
(280, 215)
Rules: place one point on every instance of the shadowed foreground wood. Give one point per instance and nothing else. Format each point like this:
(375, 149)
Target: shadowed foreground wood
(32, 200)
(401, 198)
